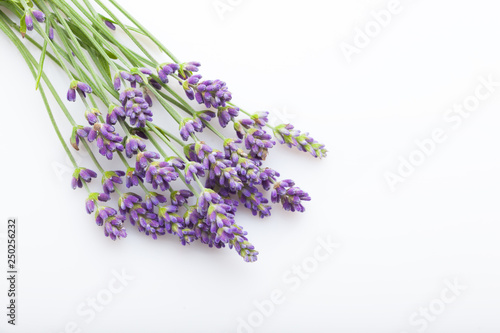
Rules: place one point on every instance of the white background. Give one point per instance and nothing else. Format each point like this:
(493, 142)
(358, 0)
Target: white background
(397, 248)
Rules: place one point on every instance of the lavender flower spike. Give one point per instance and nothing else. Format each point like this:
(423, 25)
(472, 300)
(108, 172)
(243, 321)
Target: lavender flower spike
(290, 196)
(286, 134)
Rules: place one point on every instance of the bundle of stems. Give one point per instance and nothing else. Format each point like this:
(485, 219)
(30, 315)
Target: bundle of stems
(181, 185)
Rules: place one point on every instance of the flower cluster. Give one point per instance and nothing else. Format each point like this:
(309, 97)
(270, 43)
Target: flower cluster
(215, 183)
(291, 197)
(137, 107)
(212, 93)
(213, 222)
(107, 140)
(80, 87)
(112, 222)
(82, 175)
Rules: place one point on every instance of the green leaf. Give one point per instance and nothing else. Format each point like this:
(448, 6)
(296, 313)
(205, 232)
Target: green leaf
(110, 54)
(12, 6)
(102, 65)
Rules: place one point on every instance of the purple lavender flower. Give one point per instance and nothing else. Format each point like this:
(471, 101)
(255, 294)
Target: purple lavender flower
(192, 170)
(227, 114)
(109, 24)
(205, 115)
(91, 115)
(154, 83)
(210, 92)
(81, 87)
(29, 22)
(107, 140)
(160, 174)
(212, 221)
(143, 159)
(51, 33)
(154, 199)
(79, 132)
(267, 177)
(256, 140)
(254, 200)
(176, 162)
(286, 134)
(110, 178)
(174, 224)
(127, 76)
(198, 152)
(131, 178)
(114, 113)
(291, 197)
(39, 16)
(146, 220)
(117, 82)
(186, 69)
(136, 107)
(92, 200)
(127, 202)
(133, 145)
(164, 70)
(147, 98)
(145, 71)
(260, 119)
(180, 197)
(206, 198)
(113, 223)
(222, 173)
(71, 95)
(190, 125)
(82, 175)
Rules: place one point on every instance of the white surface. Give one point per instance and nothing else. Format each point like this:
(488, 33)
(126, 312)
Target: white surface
(397, 249)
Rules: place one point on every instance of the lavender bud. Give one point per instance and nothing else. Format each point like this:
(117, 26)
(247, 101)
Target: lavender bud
(29, 22)
(109, 24)
(39, 16)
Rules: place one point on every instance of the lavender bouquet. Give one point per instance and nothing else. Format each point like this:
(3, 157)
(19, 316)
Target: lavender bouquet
(175, 182)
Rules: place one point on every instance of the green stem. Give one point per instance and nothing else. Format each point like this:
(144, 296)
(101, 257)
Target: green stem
(80, 54)
(96, 162)
(136, 42)
(42, 56)
(24, 52)
(47, 39)
(144, 30)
